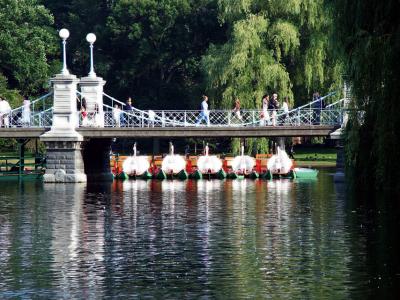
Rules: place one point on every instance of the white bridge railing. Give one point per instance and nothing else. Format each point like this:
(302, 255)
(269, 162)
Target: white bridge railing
(216, 118)
(37, 113)
(40, 114)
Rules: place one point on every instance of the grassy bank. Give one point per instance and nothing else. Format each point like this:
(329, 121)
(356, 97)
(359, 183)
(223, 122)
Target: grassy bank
(304, 157)
(9, 158)
(315, 156)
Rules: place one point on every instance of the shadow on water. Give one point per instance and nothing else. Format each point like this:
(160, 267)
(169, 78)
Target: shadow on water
(210, 238)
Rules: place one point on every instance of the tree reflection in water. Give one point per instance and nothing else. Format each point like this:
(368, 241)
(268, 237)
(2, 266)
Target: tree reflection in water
(209, 238)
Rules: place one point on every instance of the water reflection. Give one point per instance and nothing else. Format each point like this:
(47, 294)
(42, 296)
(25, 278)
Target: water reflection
(208, 238)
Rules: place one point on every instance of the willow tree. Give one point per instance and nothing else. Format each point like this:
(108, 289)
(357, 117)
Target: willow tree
(369, 33)
(272, 47)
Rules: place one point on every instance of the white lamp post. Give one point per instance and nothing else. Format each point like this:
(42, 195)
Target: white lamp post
(91, 38)
(64, 34)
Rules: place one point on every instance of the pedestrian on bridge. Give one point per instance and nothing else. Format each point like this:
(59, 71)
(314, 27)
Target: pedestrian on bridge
(204, 114)
(84, 113)
(26, 112)
(265, 114)
(236, 109)
(117, 115)
(5, 110)
(98, 116)
(285, 108)
(274, 105)
(126, 118)
(318, 105)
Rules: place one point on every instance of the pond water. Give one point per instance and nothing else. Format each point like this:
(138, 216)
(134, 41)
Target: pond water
(205, 239)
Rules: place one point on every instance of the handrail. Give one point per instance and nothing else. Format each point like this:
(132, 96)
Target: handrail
(113, 99)
(187, 118)
(315, 101)
(33, 102)
(335, 103)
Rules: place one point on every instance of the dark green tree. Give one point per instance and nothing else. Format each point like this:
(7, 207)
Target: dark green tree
(155, 48)
(27, 43)
(368, 33)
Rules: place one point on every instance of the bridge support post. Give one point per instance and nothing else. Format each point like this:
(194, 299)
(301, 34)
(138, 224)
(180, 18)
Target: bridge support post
(64, 161)
(96, 155)
(156, 146)
(92, 90)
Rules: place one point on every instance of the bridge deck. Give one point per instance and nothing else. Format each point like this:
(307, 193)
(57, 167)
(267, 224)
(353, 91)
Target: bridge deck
(183, 132)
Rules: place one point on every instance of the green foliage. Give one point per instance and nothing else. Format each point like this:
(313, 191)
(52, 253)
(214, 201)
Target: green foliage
(156, 47)
(12, 96)
(147, 49)
(27, 40)
(166, 53)
(273, 46)
(368, 33)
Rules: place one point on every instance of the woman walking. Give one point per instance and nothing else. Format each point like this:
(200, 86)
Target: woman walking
(236, 109)
(265, 114)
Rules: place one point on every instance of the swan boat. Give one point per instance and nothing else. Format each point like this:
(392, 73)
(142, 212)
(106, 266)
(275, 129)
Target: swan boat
(242, 166)
(136, 166)
(209, 166)
(281, 166)
(173, 166)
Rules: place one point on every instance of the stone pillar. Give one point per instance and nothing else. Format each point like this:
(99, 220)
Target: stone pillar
(96, 155)
(92, 91)
(64, 162)
(63, 143)
(65, 116)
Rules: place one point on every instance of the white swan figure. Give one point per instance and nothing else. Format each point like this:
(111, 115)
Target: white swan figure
(243, 163)
(135, 165)
(173, 163)
(279, 163)
(209, 164)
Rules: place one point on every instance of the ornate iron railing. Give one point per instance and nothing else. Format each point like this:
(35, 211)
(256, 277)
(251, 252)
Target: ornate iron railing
(112, 117)
(38, 113)
(40, 116)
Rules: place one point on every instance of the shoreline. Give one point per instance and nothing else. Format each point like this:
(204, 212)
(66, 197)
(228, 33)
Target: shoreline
(305, 164)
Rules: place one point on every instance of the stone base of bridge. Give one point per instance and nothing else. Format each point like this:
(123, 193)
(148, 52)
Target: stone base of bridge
(96, 157)
(64, 162)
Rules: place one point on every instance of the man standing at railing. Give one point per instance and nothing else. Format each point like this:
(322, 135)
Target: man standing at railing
(204, 112)
(5, 110)
(318, 105)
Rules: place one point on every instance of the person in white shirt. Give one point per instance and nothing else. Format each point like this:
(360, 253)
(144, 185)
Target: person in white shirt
(98, 116)
(204, 112)
(265, 114)
(26, 112)
(285, 108)
(117, 115)
(5, 110)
